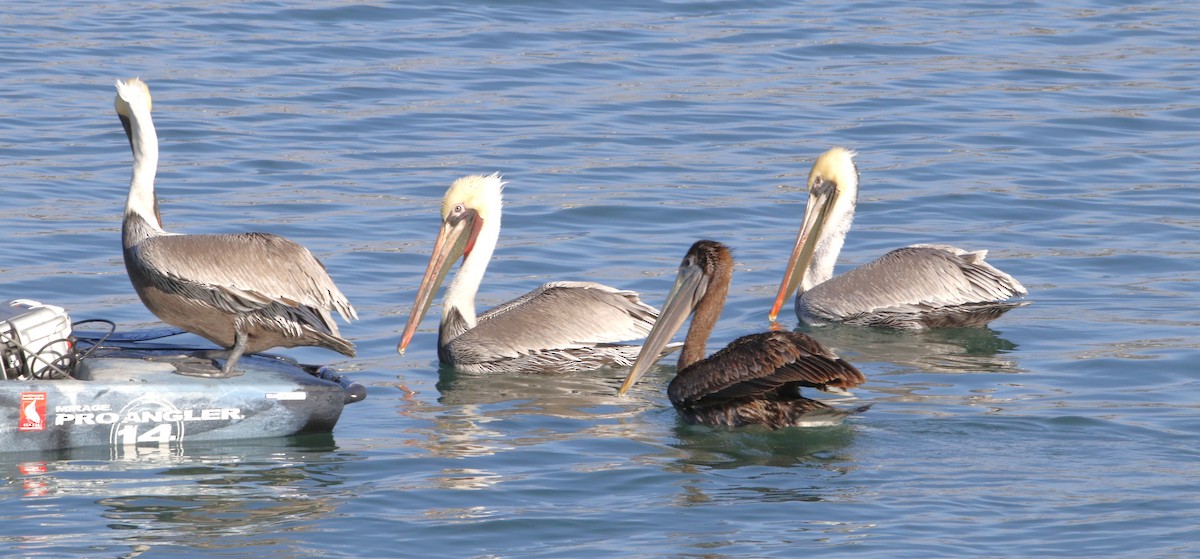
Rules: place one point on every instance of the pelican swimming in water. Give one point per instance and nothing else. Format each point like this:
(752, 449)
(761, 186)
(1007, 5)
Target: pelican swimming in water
(245, 292)
(558, 327)
(756, 379)
(915, 287)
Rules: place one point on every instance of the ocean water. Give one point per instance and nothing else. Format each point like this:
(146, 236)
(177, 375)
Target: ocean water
(1062, 137)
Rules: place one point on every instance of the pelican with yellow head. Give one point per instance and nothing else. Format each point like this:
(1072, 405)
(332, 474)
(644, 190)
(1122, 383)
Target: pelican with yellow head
(915, 287)
(559, 327)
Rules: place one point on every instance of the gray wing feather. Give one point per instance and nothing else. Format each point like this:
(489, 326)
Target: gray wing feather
(917, 278)
(241, 272)
(557, 316)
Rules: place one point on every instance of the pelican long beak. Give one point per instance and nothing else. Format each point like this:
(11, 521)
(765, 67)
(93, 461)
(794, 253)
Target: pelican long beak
(815, 214)
(128, 126)
(690, 286)
(455, 239)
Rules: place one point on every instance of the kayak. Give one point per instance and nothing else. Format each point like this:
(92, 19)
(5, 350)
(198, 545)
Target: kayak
(127, 391)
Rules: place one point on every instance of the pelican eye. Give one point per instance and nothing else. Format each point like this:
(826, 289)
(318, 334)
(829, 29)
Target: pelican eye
(821, 185)
(457, 213)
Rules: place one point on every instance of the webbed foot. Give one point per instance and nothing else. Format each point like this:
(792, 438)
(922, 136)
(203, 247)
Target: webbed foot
(206, 368)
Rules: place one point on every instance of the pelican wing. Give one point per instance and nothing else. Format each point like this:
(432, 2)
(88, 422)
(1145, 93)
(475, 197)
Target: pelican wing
(913, 279)
(240, 272)
(556, 316)
(760, 365)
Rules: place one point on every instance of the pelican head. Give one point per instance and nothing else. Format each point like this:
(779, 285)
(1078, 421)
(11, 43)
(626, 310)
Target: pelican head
(700, 288)
(832, 195)
(132, 94)
(469, 204)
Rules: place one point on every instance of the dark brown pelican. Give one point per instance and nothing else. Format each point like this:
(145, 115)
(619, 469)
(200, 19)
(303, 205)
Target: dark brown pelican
(919, 286)
(245, 292)
(756, 379)
(558, 327)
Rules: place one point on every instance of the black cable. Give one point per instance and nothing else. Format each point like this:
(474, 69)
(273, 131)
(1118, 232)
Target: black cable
(52, 370)
(112, 328)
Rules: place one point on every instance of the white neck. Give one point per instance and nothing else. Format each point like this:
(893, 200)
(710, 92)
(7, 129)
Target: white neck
(141, 199)
(461, 292)
(833, 235)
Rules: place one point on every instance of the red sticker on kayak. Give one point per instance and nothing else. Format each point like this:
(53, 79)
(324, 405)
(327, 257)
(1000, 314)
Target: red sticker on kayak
(33, 411)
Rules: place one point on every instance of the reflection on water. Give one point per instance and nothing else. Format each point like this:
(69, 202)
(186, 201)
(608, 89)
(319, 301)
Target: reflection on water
(565, 395)
(481, 416)
(941, 350)
(471, 403)
(923, 369)
(195, 498)
(465, 479)
(718, 448)
(792, 471)
(203, 520)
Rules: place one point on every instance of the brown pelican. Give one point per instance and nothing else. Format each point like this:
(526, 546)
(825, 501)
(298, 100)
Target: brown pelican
(558, 327)
(756, 379)
(245, 292)
(919, 286)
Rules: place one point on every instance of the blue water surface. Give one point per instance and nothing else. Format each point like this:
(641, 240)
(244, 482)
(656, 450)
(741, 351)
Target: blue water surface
(1062, 137)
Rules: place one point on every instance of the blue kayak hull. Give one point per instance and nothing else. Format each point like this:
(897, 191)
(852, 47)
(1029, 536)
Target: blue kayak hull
(131, 398)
